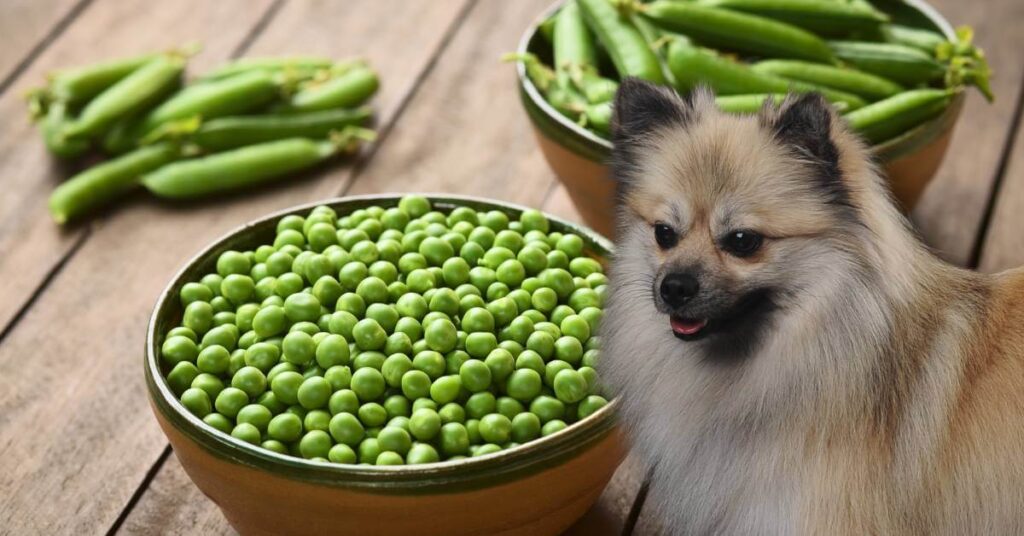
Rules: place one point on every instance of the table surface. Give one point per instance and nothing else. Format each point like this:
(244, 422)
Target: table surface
(80, 451)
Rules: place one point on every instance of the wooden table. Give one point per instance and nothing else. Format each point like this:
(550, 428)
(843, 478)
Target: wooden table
(80, 451)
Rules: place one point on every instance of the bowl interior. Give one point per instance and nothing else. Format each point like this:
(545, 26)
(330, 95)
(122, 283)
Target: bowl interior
(911, 12)
(539, 453)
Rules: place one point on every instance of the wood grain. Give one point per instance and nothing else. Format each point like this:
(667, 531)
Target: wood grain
(1004, 244)
(24, 25)
(465, 131)
(949, 214)
(76, 473)
(175, 505)
(32, 244)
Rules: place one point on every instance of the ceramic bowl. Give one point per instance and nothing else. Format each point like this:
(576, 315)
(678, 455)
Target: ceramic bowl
(540, 487)
(578, 156)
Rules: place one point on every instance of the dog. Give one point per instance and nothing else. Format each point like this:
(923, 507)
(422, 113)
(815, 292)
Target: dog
(787, 354)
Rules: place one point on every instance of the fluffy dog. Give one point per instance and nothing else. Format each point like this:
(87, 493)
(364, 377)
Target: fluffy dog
(787, 353)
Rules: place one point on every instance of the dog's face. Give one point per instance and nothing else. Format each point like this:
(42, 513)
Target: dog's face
(724, 220)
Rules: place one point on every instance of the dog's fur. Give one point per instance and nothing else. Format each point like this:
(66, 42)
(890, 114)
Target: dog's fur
(852, 383)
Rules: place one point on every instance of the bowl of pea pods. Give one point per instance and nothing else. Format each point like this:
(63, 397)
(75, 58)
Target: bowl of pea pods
(390, 364)
(897, 71)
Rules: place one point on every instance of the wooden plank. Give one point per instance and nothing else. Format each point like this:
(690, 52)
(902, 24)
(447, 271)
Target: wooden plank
(1004, 244)
(465, 131)
(24, 25)
(950, 213)
(93, 399)
(175, 505)
(609, 514)
(32, 243)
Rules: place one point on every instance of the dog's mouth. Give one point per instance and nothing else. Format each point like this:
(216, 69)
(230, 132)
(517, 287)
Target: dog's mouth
(688, 329)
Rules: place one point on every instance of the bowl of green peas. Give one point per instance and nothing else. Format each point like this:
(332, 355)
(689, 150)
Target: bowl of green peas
(390, 365)
(896, 70)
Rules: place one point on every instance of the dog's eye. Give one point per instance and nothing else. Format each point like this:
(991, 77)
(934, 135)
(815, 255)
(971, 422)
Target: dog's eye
(742, 243)
(665, 235)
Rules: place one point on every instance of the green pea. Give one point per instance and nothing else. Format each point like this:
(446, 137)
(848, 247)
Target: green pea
(332, 350)
(198, 317)
(192, 292)
(219, 422)
(481, 344)
(343, 401)
(398, 343)
(179, 349)
(314, 392)
(372, 414)
(341, 453)
(196, 401)
(585, 297)
(525, 427)
(397, 406)
(529, 359)
(544, 299)
(454, 439)
(368, 384)
(523, 384)
(552, 427)
(495, 428)
(181, 376)
(445, 389)
(394, 439)
(230, 401)
(256, 415)
(476, 375)
(558, 259)
(368, 451)
(390, 458)
(298, 348)
(246, 432)
(494, 220)
(480, 404)
(570, 386)
(213, 359)
(569, 349)
(346, 429)
(250, 380)
(452, 412)
(269, 400)
(315, 444)
(547, 408)
(589, 405)
(441, 335)
(269, 321)
(421, 453)
(501, 363)
(471, 252)
(394, 368)
(369, 335)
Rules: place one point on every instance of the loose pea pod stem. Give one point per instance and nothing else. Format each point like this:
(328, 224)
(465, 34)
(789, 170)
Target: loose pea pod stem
(852, 81)
(53, 133)
(693, 66)
(127, 95)
(888, 118)
(823, 17)
(906, 65)
(229, 96)
(732, 30)
(624, 43)
(244, 167)
(80, 84)
(297, 64)
(346, 90)
(231, 132)
(105, 182)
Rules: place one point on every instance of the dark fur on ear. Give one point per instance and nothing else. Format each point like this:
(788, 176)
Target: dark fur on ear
(804, 123)
(641, 108)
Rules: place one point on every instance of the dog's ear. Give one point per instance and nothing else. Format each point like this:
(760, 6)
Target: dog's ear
(804, 123)
(641, 108)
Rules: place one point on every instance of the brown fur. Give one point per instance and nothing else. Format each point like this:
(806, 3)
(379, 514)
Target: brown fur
(886, 395)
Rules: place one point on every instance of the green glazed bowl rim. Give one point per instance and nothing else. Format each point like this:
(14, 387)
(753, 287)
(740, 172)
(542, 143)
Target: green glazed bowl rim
(441, 477)
(594, 147)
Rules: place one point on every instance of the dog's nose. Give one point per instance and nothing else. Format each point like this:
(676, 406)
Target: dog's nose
(677, 289)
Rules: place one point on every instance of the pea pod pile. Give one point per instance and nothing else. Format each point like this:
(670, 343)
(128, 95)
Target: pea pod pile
(250, 121)
(885, 74)
(389, 336)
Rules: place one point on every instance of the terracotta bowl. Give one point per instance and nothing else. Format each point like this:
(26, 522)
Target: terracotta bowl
(541, 487)
(578, 156)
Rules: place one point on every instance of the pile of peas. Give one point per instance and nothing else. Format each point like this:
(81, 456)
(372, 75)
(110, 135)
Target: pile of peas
(393, 336)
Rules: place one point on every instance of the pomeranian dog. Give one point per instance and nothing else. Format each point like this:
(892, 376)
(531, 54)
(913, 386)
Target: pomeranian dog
(788, 355)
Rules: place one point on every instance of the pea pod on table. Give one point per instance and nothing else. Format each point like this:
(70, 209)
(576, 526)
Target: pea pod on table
(230, 132)
(243, 167)
(625, 44)
(823, 17)
(693, 66)
(54, 122)
(731, 30)
(852, 81)
(345, 90)
(297, 64)
(78, 85)
(127, 95)
(105, 182)
(229, 96)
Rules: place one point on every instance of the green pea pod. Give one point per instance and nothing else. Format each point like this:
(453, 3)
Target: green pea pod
(346, 90)
(746, 104)
(923, 40)
(105, 182)
(866, 85)
(231, 132)
(597, 89)
(547, 28)
(599, 117)
(906, 65)
(625, 44)
(891, 117)
(127, 95)
(693, 66)
(731, 30)
(78, 85)
(573, 47)
(240, 168)
(233, 95)
(823, 17)
(53, 133)
(296, 64)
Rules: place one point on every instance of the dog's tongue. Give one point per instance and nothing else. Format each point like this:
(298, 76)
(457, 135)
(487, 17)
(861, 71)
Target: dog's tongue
(687, 327)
